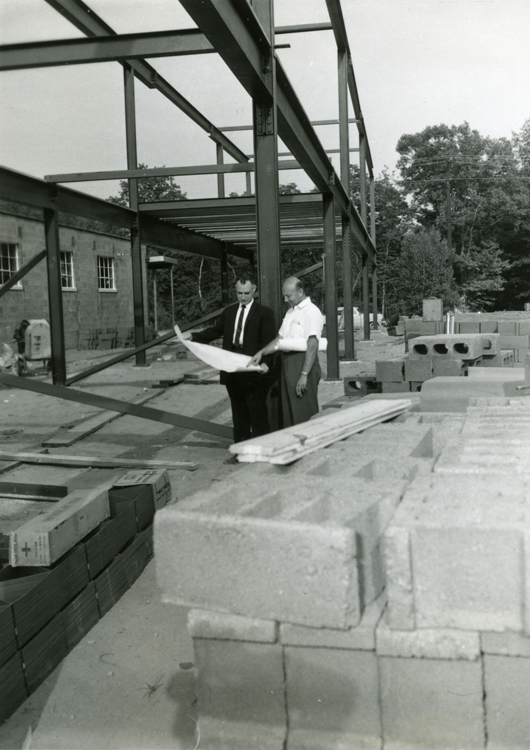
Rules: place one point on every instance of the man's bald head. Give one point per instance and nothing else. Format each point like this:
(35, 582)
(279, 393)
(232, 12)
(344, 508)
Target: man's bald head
(293, 291)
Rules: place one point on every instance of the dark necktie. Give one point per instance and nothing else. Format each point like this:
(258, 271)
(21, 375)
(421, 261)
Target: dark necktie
(239, 325)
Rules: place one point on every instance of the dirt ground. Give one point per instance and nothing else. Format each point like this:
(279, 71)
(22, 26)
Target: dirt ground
(130, 682)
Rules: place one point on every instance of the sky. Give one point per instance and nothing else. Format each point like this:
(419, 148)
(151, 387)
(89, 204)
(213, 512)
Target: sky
(417, 63)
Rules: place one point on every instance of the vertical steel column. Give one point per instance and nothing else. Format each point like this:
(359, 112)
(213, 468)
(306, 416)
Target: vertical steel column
(172, 296)
(344, 138)
(266, 175)
(136, 250)
(55, 296)
(330, 275)
(220, 176)
(364, 214)
(224, 278)
(375, 324)
(155, 303)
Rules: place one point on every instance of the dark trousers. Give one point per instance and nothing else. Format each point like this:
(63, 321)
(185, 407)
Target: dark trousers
(248, 398)
(297, 409)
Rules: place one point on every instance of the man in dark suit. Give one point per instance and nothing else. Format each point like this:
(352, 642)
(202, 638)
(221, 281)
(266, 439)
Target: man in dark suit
(246, 327)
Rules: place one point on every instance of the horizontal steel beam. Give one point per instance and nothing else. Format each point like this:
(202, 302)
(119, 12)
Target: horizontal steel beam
(230, 128)
(30, 191)
(201, 169)
(13, 281)
(309, 269)
(103, 49)
(302, 27)
(241, 201)
(114, 404)
(87, 21)
(167, 236)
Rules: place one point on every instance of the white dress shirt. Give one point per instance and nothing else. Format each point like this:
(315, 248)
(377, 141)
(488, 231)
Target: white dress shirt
(302, 321)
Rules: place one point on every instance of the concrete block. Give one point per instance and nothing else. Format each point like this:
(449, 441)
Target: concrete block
(520, 355)
(390, 370)
(332, 699)
(507, 328)
(361, 638)
(418, 369)
(522, 327)
(241, 695)
(454, 394)
(427, 643)
(205, 624)
(507, 689)
(449, 367)
(515, 342)
(468, 326)
(416, 386)
(464, 567)
(433, 309)
(392, 387)
(507, 643)
(431, 327)
(228, 558)
(431, 703)
(361, 385)
(455, 346)
(489, 326)
(505, 358)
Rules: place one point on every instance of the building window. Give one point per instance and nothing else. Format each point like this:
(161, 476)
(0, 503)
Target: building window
(106, 273)
(67, 270)
(8, 261)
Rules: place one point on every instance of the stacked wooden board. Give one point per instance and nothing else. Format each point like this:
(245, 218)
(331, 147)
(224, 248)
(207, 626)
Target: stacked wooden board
(291, 443)
(45, 611)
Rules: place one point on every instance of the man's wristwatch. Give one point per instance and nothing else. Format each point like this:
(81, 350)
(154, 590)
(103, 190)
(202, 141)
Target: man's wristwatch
(304, 373)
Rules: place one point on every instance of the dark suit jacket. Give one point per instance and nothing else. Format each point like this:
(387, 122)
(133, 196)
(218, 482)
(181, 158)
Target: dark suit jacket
(260, 329)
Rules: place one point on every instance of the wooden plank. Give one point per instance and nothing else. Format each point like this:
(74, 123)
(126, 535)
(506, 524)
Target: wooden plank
(50, 493)
(95, 461)
(65, 437)
(292, 443)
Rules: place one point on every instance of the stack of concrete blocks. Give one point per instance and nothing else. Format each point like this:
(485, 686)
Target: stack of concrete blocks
(288, 571)
(439, 355)
(514, 334)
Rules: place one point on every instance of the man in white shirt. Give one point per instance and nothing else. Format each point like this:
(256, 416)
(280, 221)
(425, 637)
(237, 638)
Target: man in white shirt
(300, 370)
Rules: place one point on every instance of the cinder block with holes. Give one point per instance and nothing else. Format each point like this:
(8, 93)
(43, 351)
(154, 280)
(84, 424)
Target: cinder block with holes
(361, 385)
(455, 346)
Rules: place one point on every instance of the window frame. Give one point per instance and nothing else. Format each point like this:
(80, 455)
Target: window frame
(109, 262)
(16, 245)
(64, 261)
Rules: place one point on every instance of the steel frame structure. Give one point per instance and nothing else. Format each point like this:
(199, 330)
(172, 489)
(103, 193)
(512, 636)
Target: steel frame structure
(242, 33)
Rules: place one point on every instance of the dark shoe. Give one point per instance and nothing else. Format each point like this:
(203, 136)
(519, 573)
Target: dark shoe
(231, 460)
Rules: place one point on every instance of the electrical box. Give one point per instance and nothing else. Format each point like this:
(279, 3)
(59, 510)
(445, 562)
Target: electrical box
(38, 340)
(433, 309)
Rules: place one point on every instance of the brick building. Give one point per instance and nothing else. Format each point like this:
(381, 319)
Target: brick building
(96, 279)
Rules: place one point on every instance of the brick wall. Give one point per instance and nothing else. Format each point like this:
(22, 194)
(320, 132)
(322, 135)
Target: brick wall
(85, 308)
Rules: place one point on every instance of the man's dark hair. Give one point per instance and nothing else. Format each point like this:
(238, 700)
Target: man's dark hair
(243, 278)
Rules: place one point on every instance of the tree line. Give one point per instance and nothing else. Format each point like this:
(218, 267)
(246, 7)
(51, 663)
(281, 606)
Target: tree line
(452, 222)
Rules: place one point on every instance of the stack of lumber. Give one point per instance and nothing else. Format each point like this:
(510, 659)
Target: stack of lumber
(291, 443)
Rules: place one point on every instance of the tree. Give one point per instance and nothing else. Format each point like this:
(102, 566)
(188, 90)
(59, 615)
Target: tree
(422, 270)
(474, 191)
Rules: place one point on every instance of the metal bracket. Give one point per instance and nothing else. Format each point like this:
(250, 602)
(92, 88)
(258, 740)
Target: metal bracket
(264, 119)
(331, 180)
